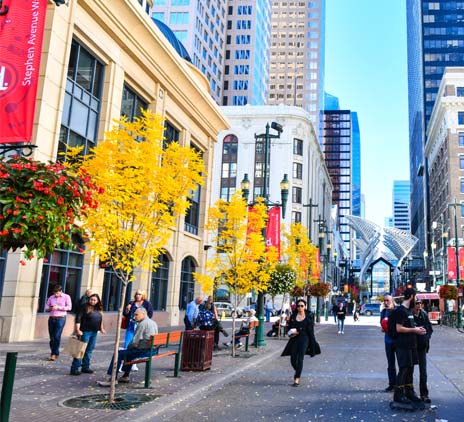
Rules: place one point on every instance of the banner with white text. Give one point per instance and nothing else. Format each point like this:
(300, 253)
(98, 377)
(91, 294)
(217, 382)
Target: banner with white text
(273, 229)
(21, 36)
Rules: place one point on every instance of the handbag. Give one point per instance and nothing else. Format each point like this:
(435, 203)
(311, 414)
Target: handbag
(75, 347)
(124, 322)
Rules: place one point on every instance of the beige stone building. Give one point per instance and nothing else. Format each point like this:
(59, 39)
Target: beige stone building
(444, 152)
(102, 59)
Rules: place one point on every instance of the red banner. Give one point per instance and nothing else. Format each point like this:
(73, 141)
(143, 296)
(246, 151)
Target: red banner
(273, 229)
(21, 35)
(451, 264)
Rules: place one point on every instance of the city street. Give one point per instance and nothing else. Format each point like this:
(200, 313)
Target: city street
(344, 383)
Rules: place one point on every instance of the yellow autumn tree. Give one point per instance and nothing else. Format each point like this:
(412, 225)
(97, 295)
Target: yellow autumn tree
(240, 258)
(301, 254)
(145, 186)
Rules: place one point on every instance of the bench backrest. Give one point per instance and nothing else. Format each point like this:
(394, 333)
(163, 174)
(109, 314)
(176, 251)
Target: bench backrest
(253, 324)
(165, 339)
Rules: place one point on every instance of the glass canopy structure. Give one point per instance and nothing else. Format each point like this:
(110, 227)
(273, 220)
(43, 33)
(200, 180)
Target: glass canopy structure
(375, 242)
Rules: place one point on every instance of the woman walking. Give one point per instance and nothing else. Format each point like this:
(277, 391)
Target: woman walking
(89, 321)
(302, 340)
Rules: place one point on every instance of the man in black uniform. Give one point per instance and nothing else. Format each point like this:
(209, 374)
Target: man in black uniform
(406, 351)
(421, 319)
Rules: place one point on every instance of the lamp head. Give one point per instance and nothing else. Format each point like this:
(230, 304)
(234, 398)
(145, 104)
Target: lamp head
(284, 185)
(245, 186)
(277, 127)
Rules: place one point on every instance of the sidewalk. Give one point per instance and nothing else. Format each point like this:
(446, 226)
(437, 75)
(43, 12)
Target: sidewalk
(349, 376)
(41, 386)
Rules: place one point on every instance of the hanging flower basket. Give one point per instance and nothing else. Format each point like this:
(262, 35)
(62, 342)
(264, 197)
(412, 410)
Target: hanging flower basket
(39, 205)
(319, 289)
(297, 292)
(448, 292)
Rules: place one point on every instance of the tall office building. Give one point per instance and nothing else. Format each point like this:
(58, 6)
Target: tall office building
(337, 146)
(435, 40)
(246, 70)
(400, 200)
(297, 56)
(201, 27)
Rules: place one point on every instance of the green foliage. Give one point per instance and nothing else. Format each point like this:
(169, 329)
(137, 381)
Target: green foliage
(283, 279)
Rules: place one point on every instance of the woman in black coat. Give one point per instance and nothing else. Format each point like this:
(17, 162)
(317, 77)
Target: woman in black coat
(302, 340)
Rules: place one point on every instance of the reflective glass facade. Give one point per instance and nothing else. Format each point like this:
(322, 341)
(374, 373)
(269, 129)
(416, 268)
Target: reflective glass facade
(338, 154)
(401, 193)
(435, 40)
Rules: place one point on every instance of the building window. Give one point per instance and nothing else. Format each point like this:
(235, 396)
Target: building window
(187, 283)
(296, 217)
(460, 91)
(462, 185)
(297, 147)
(63, 267)
(461, 162)
(298, 171)
(461, 117)
(159, 284)
(112, 288)
(229, 167)
(132, 104)
(296, 195)
(81, 108)
(171, 134)
(461, 139)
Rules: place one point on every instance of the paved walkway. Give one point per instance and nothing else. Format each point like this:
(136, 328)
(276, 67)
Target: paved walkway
(344, 383)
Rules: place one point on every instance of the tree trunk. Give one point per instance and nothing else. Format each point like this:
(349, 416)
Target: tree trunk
(234, 316)
(114, 370)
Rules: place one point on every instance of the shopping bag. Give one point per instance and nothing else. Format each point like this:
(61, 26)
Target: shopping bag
(75, 347)
(124, 322)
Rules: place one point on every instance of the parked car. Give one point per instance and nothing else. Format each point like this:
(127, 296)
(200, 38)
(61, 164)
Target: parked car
(228, 309)
(369, 309)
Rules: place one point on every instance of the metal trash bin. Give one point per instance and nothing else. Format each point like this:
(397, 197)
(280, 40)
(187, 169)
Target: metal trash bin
(197, 350)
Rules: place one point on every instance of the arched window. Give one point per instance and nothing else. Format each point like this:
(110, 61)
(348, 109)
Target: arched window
(112, 286)
(187, 284)
(159, 284)
(229, 167)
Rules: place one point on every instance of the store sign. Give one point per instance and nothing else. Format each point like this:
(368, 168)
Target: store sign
(21, 35)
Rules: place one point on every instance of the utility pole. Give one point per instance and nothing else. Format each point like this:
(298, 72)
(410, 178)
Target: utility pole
(310, 225)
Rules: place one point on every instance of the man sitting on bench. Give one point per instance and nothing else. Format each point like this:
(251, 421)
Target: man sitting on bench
(244, 329)
(139, 347)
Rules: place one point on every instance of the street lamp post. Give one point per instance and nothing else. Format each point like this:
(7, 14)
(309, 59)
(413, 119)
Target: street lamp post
(433, 246)
(310, 225)
(426, 259)
(284, 185)
(456, 240)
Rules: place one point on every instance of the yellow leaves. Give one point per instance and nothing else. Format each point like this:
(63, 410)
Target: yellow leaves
(145, 186)
(240, 260)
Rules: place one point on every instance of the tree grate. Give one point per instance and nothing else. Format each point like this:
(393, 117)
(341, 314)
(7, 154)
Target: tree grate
(122, 401)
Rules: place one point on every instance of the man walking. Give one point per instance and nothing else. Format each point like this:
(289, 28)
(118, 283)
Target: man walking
(389, 306)
(57, 304)
(421, 319)
(341, 313)
(191, 313)
(406, 351)
(139, 347)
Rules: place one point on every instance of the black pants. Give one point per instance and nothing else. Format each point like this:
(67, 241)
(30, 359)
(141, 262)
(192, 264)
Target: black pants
(391, 362)
(407, 358)
(298, 353)
(422, 357)
(187, 323)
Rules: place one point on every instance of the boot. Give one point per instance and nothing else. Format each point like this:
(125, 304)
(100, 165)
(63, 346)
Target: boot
(416, 401)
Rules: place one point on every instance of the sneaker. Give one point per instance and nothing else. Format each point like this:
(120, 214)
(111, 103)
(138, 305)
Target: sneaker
(135, 368)
(106, 383)
(389, 389)
(343, 332)
(426, 399)
(124, 379)
(87, 371)
(75, 372)
(339, 332)
(239, 346)
(226, 344)
(52, 358)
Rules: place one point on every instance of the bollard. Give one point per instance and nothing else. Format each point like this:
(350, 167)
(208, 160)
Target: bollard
(7, 387)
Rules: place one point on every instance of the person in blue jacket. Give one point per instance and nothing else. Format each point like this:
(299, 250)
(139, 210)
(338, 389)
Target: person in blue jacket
(388, 308)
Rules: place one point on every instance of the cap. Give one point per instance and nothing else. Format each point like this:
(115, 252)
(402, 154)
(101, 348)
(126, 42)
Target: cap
(252, 311)
(409, 293)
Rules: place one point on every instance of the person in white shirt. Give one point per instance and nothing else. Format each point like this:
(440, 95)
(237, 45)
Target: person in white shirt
(244, 329)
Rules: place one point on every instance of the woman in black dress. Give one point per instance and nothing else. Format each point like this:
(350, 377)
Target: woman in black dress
(302, 340)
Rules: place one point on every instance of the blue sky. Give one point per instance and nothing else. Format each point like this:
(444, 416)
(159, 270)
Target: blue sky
(366, 68)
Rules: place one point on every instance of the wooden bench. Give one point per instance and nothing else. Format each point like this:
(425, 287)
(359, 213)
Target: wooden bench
(252, 327)
(157, 344)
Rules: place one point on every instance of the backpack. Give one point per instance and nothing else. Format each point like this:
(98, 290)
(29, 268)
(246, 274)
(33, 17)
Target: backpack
(205, 318)
(392, 333)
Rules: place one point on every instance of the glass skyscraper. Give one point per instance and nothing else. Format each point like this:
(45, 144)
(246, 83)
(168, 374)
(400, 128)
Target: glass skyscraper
(435, 31)
(401, 193)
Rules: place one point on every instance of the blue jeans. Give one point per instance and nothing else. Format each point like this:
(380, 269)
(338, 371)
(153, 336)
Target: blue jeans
(89, 337)
(341, 324)
(391, 361)
(268, 315)
(128, 355)
(55, 329)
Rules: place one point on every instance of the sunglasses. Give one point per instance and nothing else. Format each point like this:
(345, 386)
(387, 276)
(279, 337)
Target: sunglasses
(300, 306)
